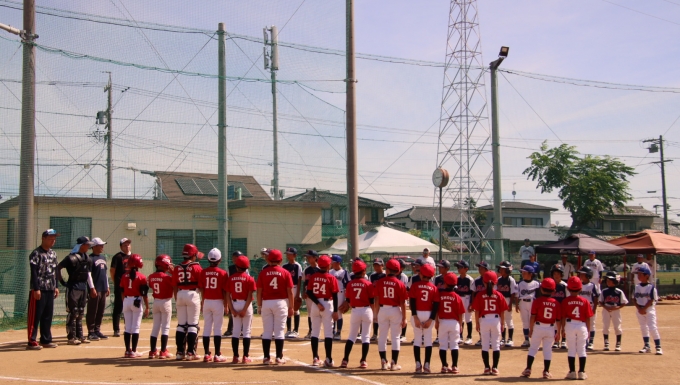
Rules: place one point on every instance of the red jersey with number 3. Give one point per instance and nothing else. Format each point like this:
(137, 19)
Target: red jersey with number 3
(390, 291)
(160, 284)
(489, 304)
(213, 282)
(546, 309)
(132, 288)
(239, 285)
(274, 283)
(424, 292)
(576, 308)
(359, 292)
(450, 305)
(323, 285)
(186, 275)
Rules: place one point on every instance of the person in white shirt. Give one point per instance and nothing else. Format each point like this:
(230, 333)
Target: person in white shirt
(426, 259)
(652, 268)
(568, 267)
(595, 265)
(525, 252)
(640, 262)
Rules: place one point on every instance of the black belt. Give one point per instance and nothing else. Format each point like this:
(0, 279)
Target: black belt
(526, 300)
(359, 307)
(494, 315)
(543, 323)
(194, 289)
(389, 306)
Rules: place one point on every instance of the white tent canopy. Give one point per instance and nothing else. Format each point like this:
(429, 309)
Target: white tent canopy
(384, 240)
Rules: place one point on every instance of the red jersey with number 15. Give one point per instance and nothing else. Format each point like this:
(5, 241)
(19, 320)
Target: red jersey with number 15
(186, 275)
(161, 285)
(390, 291)
(359, 292)
(239, 285)
(132, 288)
(576, 308)
(546, 309)
(424, 292)
(450, 305)
(490, 304)
(213, 282)
(323, 285)
(274, 283)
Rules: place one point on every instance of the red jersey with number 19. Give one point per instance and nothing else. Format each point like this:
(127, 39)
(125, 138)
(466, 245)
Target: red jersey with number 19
(546, 309)
(450, 305)
(213, 282)
(390, 291)
(490, 304)
(161, 285)
(576, 308)
(323, 285)
(239, 284)
(359, 292)
(424, 292)
(273, 282)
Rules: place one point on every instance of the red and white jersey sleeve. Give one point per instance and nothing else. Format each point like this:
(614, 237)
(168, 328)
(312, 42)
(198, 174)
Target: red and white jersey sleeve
(359, 292)
(185, 276)
(213, 283)
(546, 310)
(161, 285)
(323, 285)
(450, 305)
(390, 291)
(239, 285)
(424, 292)
(576, 308)
(274, 283)
(131, 288)
(490, 304)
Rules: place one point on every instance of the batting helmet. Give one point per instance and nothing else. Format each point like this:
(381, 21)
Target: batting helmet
(574, 284)
(587, 271)
(450, 279)
(215, 255)
(490, 276)
(613, 276)
(557, 267)
(548, 284)
(505, 265)
(135, 261)
(163, 262)
(427, 271)
(190, 250)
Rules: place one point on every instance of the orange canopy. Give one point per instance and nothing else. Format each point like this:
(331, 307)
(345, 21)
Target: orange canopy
(649, 242)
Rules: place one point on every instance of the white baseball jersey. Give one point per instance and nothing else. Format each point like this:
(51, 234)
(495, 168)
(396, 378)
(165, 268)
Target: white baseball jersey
(596, 266)
(403, 278)
(590, 292)
(429, 261)
(645, 293)
(527, 290)
(525, 252)
(342, 276)
(634, 269)
(568, 270)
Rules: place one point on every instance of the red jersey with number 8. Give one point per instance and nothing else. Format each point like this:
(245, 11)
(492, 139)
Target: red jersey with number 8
(132, 288)
(546, 309)
(239, 284)
(323, 285)
(489, 304)
(274, 282)
(450, 305)
(390, 291)
(161, 285)
(186, 275)
(576, 308)
(359, 292)
(213, 282)
(424, 292)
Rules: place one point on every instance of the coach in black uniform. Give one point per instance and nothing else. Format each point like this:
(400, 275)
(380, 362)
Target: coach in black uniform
(96, 307)
(43, 262)
(118, 269)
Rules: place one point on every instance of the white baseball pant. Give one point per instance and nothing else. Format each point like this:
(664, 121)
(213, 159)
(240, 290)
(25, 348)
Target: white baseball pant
(449, 334)
(648, 323)
(577, 338)
(294, 291)
(466, 304)
(525, 313)
(508, 315)
(490, 329)
(614, 317)
(324, 318)
(188, 311)
(592, 321)
(422, 333)
(132, 315)
(543, 334)
(213, 316)
(274, 314)
(242, 325)
(389, 318)
(162, 313)
(361, 317)
(341, 300)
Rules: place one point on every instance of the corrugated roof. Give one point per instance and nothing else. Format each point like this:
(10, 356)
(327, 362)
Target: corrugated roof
(513, 205)
(632, 211)
(173, 191)
(429, 213)
(535, 234)
(315, 195)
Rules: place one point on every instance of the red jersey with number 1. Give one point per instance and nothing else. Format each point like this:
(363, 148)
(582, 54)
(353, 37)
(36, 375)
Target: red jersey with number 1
(390, 291)
(161, 285)
(132, 288)
(274, 283)
(489, 304)
(450, 305)
(424, 292)
(323, 285)
(576, 308)
(239, 285)
(546, 309)
(213, 282)
(186, 275)
(359, 292)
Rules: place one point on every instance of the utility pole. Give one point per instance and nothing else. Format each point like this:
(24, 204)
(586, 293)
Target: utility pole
(273, 67)
(222, 183)
(109, 140)
(352, 173)
(496, 157)
(657, 145)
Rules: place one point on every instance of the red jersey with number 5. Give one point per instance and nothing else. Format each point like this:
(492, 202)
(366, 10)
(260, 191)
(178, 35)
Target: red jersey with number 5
(359, 292)
(546, 309)
(576, 308)
(390, 291)
(213, 282)
(161, 285)
(186, 275)
(424, 292)
(490, 304)
(274, 283)
(450, 305)
(132, 288)
(323, 285)
(239, 285)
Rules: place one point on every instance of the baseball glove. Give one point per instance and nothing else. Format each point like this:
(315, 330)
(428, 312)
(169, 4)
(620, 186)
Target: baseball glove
(297, 303)
(344, 307)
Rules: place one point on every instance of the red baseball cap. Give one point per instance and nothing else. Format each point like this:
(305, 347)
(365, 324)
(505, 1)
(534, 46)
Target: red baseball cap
(275, 255)
(324, 262)
(358, 266)
(450, 279)
(574, 284)
(242, 261)
(190, 250)
(393, 264)
(548, 284)
(427, 271)
(490, 276)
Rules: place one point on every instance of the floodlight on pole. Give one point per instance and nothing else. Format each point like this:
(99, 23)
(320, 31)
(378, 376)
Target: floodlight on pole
(504, 52)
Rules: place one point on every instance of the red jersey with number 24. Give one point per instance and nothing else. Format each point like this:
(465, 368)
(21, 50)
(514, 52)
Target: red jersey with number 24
(161, 285)
(424, 292)
(450, 305)
(239, 284)
(323, 285)
(489, 304)
(576, 308)
(546, 309)
(390, 291)
(359, 292)
(273, 282)
(213, 282)
(132, 288)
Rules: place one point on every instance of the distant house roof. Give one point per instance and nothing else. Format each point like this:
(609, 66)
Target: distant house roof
(512, 205)
(198, 187)
(535, 234)
(429, 213)
(632, 211)
(673, 226)
(315, 195)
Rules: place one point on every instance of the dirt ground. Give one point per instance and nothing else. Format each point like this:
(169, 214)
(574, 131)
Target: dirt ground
(102, 362)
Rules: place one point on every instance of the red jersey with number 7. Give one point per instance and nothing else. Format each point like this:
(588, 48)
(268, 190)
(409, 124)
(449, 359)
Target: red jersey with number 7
(323, 285)
(576, 308)
(546, 309)
(239, 285)
(213, 283)
(390, 291)
(450, 305)
(489, 304)
(359, 292)
(161, 285)
(274, 282)
(424, 292)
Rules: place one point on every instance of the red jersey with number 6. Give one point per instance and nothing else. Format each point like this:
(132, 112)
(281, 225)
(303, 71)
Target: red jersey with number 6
(359, 292)
(424, 292)
(576, 308)
(186, 275)
(490, 304)
(161, 285)
(390, 291)
(239, 285)
(546, 309)
(213, 282)
(132, 288)
(274, 283)
(323, 285)
(450, 305)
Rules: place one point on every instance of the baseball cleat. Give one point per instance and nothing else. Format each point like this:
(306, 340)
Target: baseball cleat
(228, 333)
(445, 369)
(403, 339)
(563, 345)
(49, 345)
(294, 334)
(394, 366)
(426, 368)
(526, 373)
(316, 362)
(436, 341)
(179, 356)
(344, 363)
(487, 371)
(336, 336)
(556, 345)
(246, 360)
(525, 343)
(127, 354)
(606, 347)
(374, 338)
(646, 349)
(618, 347)
(547, 375)
(280, 361)
(494, 371)
(153, 354)
(234, 360)
(33, 345)
(308, 336)
(73, 341)
(454, 370)
(207, 358)
(571, 376)
(509, 344)
(582, 375)
(101, 336)
(220, 358)
(328, 363)
(468, 341)
(659, 351)
(135, 354)
(84, 340)
(266, 361)
(116, 334)
(589, 346)
(363, 364)
(478, 343)
(93, 337)
(419, 367)
(191, 357)
(164, 355)
(384, 365)
(502, 342)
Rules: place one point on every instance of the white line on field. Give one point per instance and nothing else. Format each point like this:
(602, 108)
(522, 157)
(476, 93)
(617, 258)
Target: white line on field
(5, 378)
(358, 378)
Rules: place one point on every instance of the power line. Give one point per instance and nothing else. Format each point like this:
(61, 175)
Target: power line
(640, 12)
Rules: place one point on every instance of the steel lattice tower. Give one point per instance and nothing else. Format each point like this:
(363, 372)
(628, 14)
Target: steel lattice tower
(464, 129)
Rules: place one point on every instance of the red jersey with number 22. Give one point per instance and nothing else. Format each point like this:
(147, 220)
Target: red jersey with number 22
(239, 284)
(576, 308)
(186, 275)
(390, 291)
(450, 305)
(273, 282)
(424, 292)
(323, 285)
(213, 282)
(161, 285)
(132, 288)
(546, 309)
(359, 292)
(490, 304)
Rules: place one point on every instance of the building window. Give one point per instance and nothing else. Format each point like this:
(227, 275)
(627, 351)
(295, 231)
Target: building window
(206, 240)
(621, 226)
(375, 216)
(512, 221)
(70, 229)
(343, 215)
(533, 222)
(522, 222)
(11, 223)
(327, 216)
(171, 242)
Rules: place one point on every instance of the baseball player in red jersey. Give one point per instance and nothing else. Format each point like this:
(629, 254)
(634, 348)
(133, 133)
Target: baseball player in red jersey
(240, 290)
(423, 304)
(274, 293)
(545, 313)
(576, 313)
(490, 307)
(450, 321)
(135, 288)
(391, 308)
(322, 291)
(359, 294)
(161, 287)
(213, 286)
(188, 301)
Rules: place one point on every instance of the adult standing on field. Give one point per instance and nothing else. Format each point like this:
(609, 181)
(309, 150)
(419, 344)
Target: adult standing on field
(525, 252)
(118, 268)
(640, 263)
(96, 307)
(595, 265)
(43, 262)
(426, 259)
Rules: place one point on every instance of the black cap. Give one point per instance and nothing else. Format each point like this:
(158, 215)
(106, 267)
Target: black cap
(84, 240)
(444, 263)
(483, 264)
(463, 264)
(49, 232)
(312, 253)
(291, 250)
(378, 261)
(236, 254)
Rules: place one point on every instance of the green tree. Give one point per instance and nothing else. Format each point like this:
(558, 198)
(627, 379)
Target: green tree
(588, 186)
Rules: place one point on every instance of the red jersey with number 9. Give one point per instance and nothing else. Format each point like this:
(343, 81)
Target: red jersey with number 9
(489, 304)
(213, 282)
(274, 282)
(131, 288)
(185, 276)
(546, 309)
(359, 292)
(450, 305)
(161, 285)
(239, 285)
(576, 308)
(424, 292)
(390, 291)
(323, 285)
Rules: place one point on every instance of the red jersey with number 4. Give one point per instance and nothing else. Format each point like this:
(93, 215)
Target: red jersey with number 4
(490, 304)
(186, 275)
(390, 291)
(274, 283)
(424, 292)
(546, 309)
(161, 285)
(359, 292)
(450, 305)
(239, 285)
(213, 282)
(576, 308)
(132, 288)
(323, 285)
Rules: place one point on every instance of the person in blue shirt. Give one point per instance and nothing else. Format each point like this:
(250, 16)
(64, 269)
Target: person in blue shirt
(96, 306)
(534, 264)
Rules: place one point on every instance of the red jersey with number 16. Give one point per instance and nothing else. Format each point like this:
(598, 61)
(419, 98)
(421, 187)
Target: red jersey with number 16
(161, 285)
(239, 284)
(489, 304)
(273, 282)
(546, 309)
(390, 291)
(213, 282)
(450, 305)
(576, 308)
(424, 292)
(323, 285)
(359, 292)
